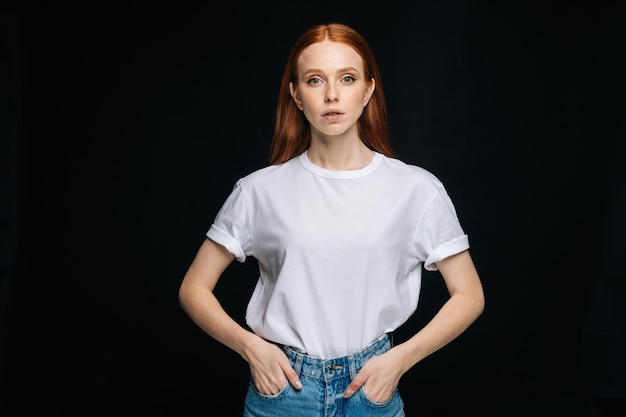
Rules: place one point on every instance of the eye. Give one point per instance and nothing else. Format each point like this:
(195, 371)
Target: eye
(313, 81)
(348, 79)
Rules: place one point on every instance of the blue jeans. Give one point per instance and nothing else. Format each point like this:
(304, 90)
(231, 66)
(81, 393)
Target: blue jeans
(323, 384)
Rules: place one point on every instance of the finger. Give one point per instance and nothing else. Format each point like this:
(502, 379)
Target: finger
(353, 387)
(292, 377)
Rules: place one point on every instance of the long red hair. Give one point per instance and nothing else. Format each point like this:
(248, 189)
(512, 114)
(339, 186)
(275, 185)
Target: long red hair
(292, 132)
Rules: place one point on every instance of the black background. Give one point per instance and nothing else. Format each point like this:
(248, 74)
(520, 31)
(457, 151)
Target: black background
(125, 126)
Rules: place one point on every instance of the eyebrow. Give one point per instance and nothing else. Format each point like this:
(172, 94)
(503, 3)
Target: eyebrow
(340, 70)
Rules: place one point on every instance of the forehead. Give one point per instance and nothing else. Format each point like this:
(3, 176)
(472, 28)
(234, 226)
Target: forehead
(328, 55)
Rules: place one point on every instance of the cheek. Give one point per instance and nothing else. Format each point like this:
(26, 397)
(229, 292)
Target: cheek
(359, 100)
(307, 99)
(309, 103)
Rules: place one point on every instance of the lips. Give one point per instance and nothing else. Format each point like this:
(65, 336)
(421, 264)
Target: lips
(332, 115)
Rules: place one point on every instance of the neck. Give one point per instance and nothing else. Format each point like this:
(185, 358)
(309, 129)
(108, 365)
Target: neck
(340, 156)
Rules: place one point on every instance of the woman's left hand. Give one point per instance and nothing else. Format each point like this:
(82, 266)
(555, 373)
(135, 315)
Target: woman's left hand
(379, 377)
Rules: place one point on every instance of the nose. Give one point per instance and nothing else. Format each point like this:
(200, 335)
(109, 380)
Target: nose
(331, 96)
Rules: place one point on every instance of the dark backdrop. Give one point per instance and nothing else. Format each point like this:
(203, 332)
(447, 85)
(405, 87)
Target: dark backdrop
(125, 126)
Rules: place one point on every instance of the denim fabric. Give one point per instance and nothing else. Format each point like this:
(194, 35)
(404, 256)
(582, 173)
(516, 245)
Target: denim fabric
(323, 384)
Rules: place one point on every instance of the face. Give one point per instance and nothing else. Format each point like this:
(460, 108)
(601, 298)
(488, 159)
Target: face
(332, 89)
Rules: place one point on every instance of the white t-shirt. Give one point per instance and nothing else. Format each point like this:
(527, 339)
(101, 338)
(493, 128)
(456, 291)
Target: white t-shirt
(340, 253)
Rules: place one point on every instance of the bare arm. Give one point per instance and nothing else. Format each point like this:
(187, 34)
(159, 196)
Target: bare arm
(268, 364)
(465, 304)
(197, 298)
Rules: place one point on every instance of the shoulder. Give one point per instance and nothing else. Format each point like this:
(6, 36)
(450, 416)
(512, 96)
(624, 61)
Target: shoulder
(411, 173)
(268, 174)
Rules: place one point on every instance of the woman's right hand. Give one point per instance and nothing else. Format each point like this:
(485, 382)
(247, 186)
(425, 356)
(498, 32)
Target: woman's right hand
(270, 367)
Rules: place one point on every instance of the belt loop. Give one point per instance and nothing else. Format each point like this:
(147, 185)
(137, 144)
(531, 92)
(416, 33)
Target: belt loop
(352, 366)
(297, 366)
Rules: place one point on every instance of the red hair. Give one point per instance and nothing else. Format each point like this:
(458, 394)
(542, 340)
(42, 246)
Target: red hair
(292, 132)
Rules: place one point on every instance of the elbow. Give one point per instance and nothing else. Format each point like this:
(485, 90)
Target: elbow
(183, 296)
(479, 302)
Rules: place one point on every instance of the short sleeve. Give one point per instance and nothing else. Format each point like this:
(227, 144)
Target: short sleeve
(440, 233)
(231, 226)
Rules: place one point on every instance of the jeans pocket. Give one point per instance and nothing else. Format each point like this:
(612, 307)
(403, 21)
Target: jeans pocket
(278, 395)
(375, 404)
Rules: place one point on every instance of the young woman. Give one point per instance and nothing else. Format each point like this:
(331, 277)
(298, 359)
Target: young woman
(341, 230)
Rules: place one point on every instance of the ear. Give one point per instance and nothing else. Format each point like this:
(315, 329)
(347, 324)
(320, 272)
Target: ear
(294, 94)
(369, 91)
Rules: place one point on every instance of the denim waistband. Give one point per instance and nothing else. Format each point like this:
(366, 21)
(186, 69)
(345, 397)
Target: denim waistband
(329, 369)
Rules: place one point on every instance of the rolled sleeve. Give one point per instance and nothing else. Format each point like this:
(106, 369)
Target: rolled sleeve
(219, 236)
(447, 249)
